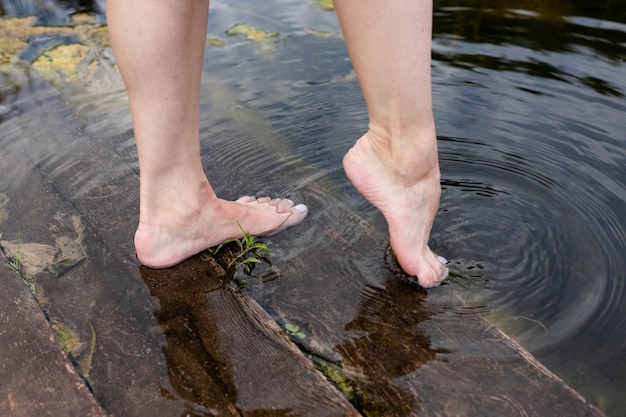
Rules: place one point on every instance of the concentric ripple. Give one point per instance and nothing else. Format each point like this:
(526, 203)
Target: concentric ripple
(541, 254)
(527, 240)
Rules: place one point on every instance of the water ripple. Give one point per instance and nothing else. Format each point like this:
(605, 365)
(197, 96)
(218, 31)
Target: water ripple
(548, 255)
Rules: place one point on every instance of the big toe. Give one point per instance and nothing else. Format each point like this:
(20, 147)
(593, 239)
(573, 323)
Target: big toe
(297, 213)
(294, 216)
(434, 272)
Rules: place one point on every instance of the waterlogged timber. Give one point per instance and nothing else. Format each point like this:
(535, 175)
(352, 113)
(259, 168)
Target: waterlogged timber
(360, 329)
(37, 378)
(225, 353)
(158, 351)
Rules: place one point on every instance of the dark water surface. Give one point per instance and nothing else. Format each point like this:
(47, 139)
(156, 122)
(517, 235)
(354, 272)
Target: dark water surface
(529, 103)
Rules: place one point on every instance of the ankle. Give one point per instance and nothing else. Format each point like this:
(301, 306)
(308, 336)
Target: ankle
(412, 156)
(163, 202)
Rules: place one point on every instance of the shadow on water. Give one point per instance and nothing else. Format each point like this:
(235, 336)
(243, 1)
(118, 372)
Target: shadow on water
(529, 106)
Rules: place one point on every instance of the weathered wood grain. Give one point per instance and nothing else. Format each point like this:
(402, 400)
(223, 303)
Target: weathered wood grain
(130, 374)
(393, 348)
(36, 377)
(227, 353)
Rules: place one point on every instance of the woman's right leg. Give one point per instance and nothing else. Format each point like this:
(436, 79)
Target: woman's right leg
(159, 48)
(395, 164)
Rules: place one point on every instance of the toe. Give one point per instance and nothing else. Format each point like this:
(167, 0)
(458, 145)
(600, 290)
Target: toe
(283, 205)
(434, 271)
(428, 279)
(300, 209)
(297, 214)
(292, 217)
(246, 199)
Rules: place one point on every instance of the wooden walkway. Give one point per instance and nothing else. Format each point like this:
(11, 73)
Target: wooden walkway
(183, 342)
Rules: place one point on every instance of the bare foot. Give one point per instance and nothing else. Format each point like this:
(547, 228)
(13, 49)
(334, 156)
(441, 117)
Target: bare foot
(409, 202)
(166, 240)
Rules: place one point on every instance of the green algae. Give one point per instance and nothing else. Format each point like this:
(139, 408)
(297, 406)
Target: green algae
(322, 34)
(70, 342)
(15, 33)
(344, 384)
(66, 336)
(65, 63)
(70, 245)
(349, 388)
(215, 42)
(325, 4)
(75, 52)
(252, 34)
(85, 361)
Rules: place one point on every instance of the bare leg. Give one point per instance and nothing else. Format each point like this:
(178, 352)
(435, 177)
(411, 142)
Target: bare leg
(395, 164)
(159, 47)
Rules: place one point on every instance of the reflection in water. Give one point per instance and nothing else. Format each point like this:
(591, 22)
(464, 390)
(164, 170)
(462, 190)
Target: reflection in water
(529, 101)
(225, 356)
(195, 366)
(517, 39)
(388, 345)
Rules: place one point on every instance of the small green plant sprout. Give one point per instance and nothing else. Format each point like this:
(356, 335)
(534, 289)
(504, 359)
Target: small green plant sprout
(248, 252)
(294, 330)
(16, 264)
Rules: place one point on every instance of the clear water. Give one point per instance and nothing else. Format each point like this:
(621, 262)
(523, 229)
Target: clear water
(529, 104)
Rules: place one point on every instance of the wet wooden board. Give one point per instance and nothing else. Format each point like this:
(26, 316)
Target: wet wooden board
(485, 372)
(393, 348)
(132, 373)
(36, 377)
(128, 366)
(220, 342)
(407, 351)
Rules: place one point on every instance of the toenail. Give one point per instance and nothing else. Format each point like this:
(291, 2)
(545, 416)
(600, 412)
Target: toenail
(444, 275)
(442, 259)
(300, 208)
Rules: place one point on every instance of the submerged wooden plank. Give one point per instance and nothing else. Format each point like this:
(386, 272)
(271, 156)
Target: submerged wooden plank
(481, 371)
(87, 293)
(393, 349)
(129, 372)
(226, 353)
(36, 377)
(401, 350)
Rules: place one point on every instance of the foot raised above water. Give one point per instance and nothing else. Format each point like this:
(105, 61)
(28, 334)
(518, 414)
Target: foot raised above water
(407, 198)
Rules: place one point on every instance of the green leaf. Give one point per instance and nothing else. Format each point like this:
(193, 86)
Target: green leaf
(292, 328)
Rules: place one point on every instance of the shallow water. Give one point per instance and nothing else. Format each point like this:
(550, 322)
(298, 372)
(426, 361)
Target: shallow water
(529, 106)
